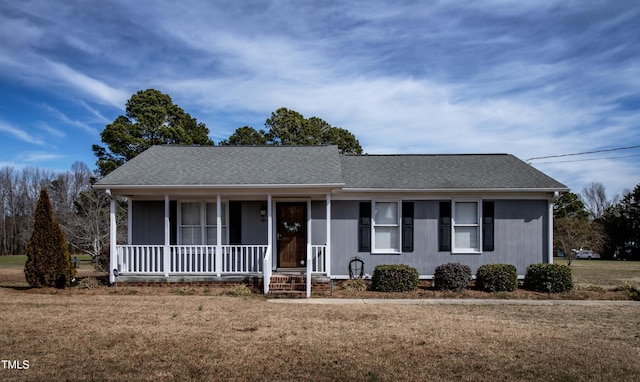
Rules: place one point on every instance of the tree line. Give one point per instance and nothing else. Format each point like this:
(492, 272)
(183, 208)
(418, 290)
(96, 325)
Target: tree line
(82, 212)
(592, 220)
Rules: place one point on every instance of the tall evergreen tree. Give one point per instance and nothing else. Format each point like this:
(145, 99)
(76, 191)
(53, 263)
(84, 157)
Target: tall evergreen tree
(151, 119)
(48, 260)
(287, 127)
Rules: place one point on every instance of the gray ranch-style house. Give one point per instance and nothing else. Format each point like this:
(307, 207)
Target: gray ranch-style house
(223, 213)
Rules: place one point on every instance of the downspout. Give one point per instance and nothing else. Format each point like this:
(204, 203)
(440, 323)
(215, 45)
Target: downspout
(554, 198)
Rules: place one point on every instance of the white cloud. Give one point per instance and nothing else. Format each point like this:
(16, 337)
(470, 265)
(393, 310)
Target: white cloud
(38, 156)
(20, 134)
(50, 130)
(84, 83)
(62, 117)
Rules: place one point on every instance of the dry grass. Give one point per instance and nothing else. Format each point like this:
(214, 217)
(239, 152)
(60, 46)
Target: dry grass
(127, 333)
(68, 336)
(604, 273)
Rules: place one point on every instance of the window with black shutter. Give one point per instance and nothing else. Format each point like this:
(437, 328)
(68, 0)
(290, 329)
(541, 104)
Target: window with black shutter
(487, 226)
(235, 222)
(444, 227)
(407, 226)
(364, 227)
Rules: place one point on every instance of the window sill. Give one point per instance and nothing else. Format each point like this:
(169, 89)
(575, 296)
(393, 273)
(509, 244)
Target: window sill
(466, 252)
(382, 252)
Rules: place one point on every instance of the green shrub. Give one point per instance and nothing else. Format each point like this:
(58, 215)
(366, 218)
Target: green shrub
(354, 285)
(452, 276)
(497, 278)
(551, 278)
(394, 278)
(48, 260)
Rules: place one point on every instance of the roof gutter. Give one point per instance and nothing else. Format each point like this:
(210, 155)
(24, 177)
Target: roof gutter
(553, 190)
(213, 186)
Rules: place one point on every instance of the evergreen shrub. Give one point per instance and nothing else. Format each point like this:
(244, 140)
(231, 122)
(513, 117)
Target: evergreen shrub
(551, 278)
(394, 278)
(452, 276)
(497, 278)
(48, 259)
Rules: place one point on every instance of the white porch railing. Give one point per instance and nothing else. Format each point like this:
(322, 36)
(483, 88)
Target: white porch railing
(319, 259)
(191, 259)
(146, 259)
(243, 258)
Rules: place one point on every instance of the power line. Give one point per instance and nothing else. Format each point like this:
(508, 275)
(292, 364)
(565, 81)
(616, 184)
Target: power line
(586, 160)
(584, 153)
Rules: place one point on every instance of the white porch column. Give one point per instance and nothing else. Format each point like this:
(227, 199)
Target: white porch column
(218, 236)
(328, 243)
(309, 255)
(167, 239)
(113, 229)
(550, 232)
(270, 228)
(267, 263)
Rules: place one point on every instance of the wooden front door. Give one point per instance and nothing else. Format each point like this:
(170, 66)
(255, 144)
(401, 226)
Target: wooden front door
(291, 234)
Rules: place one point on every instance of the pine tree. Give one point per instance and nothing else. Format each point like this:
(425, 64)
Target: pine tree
(48, 259)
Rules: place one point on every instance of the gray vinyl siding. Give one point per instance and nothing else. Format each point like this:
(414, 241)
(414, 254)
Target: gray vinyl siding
(148, 222)
(318, 223)
(254, 230)
(520, 237)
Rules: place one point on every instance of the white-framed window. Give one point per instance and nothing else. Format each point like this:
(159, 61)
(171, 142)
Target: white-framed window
(465, 230)
(385, 227)
(197, 223)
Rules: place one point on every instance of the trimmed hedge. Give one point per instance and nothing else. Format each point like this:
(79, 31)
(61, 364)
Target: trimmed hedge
(394, 278)
(497, 278)
(452, 276)
(552, 278)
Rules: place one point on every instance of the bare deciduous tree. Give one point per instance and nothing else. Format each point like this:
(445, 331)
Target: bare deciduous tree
(572, 233)
(594, 197)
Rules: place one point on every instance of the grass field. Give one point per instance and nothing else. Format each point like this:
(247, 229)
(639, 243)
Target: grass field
(604, 273)
(202, 334)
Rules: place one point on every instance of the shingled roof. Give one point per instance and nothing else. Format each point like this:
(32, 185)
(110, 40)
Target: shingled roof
(324, 166)
(229, 165)
(443, 172)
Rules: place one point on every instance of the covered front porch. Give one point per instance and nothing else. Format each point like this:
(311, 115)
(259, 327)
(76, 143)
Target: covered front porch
(240, 237)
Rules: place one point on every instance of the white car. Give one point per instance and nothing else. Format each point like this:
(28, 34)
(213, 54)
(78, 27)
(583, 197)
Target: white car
(586, 254)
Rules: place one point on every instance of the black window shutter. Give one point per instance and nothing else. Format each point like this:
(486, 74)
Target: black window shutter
(235, 222)
(444, 227)
(407, 226)
(364, 227)
(487, 226)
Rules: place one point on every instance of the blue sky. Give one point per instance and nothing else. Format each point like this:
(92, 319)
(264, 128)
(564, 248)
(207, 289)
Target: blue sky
(530, 78)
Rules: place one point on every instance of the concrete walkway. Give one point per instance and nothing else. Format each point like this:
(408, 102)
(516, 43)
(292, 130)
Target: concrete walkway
(454, 301)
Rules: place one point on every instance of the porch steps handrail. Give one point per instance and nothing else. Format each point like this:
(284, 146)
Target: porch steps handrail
(318, 258)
